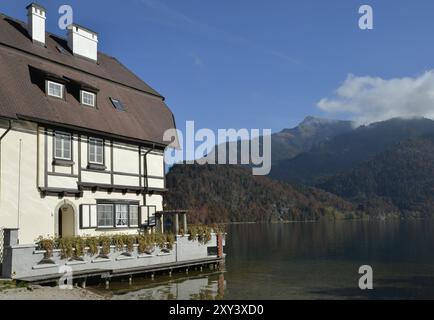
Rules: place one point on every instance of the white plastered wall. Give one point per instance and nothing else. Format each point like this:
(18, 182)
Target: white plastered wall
(22, 172)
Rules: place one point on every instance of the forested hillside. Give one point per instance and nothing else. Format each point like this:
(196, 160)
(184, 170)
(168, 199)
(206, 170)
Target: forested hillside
(385, 169)
(222, 193)
(402, 176)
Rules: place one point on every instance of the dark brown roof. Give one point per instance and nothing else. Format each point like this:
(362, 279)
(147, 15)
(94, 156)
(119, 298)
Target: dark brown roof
(22, 92)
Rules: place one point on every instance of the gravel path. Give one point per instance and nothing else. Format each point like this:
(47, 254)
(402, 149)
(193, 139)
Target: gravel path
(48, 293)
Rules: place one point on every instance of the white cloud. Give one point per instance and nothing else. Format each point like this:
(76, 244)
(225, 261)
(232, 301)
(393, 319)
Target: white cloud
(370, 99)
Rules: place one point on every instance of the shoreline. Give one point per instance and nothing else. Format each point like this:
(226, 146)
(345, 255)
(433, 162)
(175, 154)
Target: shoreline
(36, 292)
(331, 220)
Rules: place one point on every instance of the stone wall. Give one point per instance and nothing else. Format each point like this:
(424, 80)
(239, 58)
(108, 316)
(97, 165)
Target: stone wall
(24, 261)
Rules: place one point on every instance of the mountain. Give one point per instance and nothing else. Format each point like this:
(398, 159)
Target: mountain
(402, 177)
(291, 142)
(385, 169)
(345, 151)
(224, 193)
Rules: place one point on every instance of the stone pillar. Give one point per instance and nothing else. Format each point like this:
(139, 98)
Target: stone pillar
(184, 222)
(161, 223)
(10, 237)
(157, 222)
(176, 224)
(220, 245)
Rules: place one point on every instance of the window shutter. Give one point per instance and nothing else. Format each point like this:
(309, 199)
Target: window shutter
(143, 215)
(85, 214)
(88, 216)
(152, 211)
(134, 215)
(93, 216)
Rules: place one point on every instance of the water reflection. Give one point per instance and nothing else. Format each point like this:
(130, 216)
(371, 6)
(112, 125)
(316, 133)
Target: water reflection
(321, 260)
(351, 240)
(307, 261)
(208, 286)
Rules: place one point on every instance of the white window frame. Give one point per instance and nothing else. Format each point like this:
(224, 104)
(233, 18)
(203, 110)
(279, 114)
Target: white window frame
(93, 95)
(112, 215)
(98, 143)
(124, 215)
(58, 134)
(51, 93)
(118, 211)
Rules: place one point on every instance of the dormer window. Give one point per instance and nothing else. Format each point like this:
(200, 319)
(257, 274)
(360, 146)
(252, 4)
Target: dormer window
(88, 98)
(55, 89)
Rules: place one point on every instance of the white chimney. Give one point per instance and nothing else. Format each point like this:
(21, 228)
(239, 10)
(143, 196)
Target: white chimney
(83, 42)
(36, 23)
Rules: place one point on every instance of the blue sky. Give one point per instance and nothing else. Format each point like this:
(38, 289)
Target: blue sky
(257, 63)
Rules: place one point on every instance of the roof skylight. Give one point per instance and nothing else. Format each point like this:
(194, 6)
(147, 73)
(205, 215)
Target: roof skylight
(117, 104)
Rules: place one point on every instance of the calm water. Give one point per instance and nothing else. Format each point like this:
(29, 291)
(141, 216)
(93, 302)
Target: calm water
(307, 261)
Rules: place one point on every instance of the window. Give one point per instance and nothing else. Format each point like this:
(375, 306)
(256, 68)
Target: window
(134, 215)
(105, 215)
(121, 215)
(88, 98)
(118, 215)
(62, 146)
(96, 151)
(61, 50)
(55, 89)
(117, 104)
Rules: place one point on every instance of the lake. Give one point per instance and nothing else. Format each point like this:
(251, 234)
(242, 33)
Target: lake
(318, 260)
